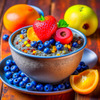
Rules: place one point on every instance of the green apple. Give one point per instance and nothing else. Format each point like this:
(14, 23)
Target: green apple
(82, 18)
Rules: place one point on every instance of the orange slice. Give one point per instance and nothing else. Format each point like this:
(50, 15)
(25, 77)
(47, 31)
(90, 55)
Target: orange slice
(85, 82)
(32, 35)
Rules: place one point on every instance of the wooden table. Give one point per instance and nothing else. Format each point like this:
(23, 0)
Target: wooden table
(56, 8)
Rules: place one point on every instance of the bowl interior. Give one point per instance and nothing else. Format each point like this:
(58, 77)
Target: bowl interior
(36, 56)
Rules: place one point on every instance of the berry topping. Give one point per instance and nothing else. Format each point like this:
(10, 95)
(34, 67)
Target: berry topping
(40, 47)
(59, 47)
(58, 42)
(23, 31)
(47, 44)
(48, 87)
(45, 27)
(46, 50)
(34, 44)
(39, 42)
(52, 41)
(64, 35)
(75, 44)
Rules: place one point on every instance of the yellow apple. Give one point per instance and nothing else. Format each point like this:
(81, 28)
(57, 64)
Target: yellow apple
(82, 18)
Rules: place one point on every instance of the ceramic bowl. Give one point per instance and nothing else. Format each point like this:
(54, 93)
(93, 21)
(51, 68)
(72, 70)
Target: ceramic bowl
(50, 69)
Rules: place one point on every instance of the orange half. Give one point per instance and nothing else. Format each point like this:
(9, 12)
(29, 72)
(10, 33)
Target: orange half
(85, 82)
(32, 35)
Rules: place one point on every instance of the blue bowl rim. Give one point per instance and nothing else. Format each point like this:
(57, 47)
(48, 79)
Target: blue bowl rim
(35, 56)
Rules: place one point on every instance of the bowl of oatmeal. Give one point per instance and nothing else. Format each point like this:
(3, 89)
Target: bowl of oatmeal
(47, 65)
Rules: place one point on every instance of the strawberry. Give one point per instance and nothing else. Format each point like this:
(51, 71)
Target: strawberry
(45, 27)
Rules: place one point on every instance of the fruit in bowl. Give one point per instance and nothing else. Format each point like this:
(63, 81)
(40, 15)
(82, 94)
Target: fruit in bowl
(47, 60)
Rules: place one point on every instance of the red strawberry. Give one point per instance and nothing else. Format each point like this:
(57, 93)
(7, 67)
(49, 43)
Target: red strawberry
(45, 27)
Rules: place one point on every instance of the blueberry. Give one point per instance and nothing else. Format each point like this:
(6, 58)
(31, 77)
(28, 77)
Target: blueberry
(5, 37)
(75, 72)
(39, 87)
(23, 31)
(59, 47)
(19, 72)
(58, 42)
(8, 74)
(67, 85)
(16, 81)
(47, 44)
(14, 68)
(82, 63)
(85, 67)
(46, 50)
(55, 88)
(22, 74)
(6, 68)
(20, 78)
(61, 86)
(9, 62)
(52, 41)
(30, 86)
(75, 44)
(79, 68)
(48, 88)
(26, 79)
(15, 75)
(13, 62)
(34, 44)
(11, 80)
(40, 47)
(39, 42)
(22, 84)
(34, 83)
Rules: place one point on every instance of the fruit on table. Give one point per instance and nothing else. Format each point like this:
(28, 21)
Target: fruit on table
(32, 35)
(64, 35)
(5, 37)
(18, 16)
(45, 27)
(83, 18)
(85, 82)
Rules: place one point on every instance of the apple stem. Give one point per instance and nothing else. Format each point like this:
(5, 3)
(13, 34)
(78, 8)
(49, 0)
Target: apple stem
(81, 9)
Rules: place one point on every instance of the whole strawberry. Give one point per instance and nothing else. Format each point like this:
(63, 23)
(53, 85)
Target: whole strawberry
(45, 27)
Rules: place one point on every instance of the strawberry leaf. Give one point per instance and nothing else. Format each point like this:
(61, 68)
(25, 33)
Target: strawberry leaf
(62, 23)
(41, 18)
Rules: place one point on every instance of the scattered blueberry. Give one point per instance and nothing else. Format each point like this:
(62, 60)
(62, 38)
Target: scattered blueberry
(52, 41)
(59, 47)
(55, 88)
(22, 84)
(47, 44)
(46, 50)
(11, 80)
(13, 62)
(34, 83)
(16, 81)
(23, 31)
(26, 79)
(48, 88)
(34, 44)
(67, 85)
(30, 86)
(22, 74)
(58, 42)
(9, 62)
(75, 72)
(61, 86)
(8, 74)
(39, 87)
(40, 47)
(82, 63)
(75, 44)
(14, 68)
(79, 68)
(85, 67)
(6, 68)
(39, 42)
(5, 37)
(15, 75)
